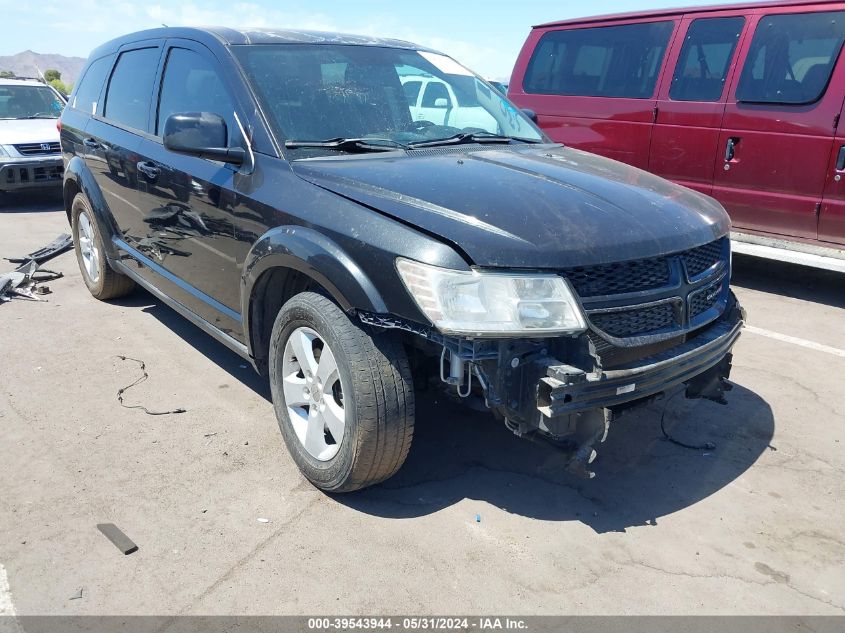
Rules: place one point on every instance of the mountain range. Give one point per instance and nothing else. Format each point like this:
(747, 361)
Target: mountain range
(27, 63)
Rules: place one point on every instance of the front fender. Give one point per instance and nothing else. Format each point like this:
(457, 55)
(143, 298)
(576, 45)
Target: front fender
(79, 177)
(316, 256)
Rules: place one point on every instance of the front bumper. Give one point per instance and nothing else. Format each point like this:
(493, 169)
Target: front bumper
(566, 390)
(31, 173)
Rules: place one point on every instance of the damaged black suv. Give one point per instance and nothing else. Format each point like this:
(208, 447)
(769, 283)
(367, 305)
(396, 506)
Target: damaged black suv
(354, 214)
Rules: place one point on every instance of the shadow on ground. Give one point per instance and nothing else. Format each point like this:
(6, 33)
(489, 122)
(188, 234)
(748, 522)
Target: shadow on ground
(462, 454)
(789, 280)
(32, 201)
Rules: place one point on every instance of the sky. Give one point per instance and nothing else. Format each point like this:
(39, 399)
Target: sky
(483, 35)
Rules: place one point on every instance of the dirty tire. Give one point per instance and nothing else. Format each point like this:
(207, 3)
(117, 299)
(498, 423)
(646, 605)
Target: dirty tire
(379, 405)
(110, 284)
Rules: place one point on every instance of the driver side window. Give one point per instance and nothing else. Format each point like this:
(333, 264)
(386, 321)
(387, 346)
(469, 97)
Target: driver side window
(192, 84)
(436, 96)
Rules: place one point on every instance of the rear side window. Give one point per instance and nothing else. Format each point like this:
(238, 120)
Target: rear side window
(791, 58)
(703, 65)
(612, 61)
(131, 87)
(88, 91)
(192, 84)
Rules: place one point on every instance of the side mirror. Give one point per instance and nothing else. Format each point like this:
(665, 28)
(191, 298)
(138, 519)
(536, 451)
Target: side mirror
(530, 114)
(442, 102)
(201, 134)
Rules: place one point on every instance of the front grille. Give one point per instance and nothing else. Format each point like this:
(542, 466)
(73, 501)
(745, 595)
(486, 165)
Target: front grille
(35, 149)
(619, 278)
(703, 300)
(702, 258)
(645, 297)
(635, 322)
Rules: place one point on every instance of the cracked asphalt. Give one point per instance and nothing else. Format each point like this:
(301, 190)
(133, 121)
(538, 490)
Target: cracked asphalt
(752, 527)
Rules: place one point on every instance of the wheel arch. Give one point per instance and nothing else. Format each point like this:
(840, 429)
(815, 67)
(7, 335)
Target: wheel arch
(78, 179)
(292, 259)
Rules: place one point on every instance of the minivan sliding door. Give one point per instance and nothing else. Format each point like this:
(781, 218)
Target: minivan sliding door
(692, 99)
(778, 128)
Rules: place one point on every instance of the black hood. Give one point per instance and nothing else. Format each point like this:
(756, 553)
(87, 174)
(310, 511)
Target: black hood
(538, 207)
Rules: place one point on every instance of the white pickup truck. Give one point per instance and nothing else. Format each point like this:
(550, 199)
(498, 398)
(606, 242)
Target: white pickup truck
(30, 155)
(432, 99)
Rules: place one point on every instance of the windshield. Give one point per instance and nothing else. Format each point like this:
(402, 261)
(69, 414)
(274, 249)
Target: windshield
(393, 96)
(29, 102)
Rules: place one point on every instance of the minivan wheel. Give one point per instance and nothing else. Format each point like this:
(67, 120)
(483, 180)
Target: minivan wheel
(344, 398)
(103, 282)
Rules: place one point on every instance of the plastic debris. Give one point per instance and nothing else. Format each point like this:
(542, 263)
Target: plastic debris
(263, 520)
(118, 538)
(478, 518)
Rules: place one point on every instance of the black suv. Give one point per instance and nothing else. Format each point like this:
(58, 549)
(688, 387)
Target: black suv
(354, 215)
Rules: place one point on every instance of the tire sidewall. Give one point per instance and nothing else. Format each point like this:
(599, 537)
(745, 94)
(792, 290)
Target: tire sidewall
(78, 207)
(298, 313)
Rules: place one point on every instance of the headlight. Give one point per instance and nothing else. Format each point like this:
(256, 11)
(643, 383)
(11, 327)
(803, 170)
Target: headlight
(492, 304)
(3, 152)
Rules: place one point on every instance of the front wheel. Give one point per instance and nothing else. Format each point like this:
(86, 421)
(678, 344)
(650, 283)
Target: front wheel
(344, 398)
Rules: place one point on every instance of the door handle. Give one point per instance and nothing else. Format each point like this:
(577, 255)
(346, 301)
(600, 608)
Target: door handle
(149, 169)
(91, 143)
(730, 150)
(840, 160)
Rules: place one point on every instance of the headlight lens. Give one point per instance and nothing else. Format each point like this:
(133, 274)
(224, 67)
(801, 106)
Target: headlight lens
(3, 152)
(492, 304)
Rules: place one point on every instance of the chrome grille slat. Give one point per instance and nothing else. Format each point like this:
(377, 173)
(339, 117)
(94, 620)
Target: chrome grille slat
(34, 149)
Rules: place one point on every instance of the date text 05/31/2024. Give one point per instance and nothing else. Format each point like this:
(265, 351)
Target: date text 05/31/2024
(417, 624)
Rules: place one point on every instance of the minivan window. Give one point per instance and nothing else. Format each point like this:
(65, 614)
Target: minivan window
(192, 84)
(612, 61)
(131, 87)
(333, 91)
(791, 58)
(89, 88)
(702, 68)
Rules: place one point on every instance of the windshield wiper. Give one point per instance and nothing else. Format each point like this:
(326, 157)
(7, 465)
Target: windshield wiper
(350, 144)
(471, 137)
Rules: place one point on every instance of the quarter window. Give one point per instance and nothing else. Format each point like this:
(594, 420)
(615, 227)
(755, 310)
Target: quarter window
(131, 87)
(89, 89)
(613, 61)
(791, 58)
(192, 84)
(703, 65)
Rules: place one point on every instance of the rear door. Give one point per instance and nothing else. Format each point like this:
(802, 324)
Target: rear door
(112, 136)
(595, 87)
(778, 128)
(186, 203)
(832, 216)
(692, 98)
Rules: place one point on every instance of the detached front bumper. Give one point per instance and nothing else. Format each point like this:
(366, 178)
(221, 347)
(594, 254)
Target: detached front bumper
(31, 173)
(566, 390)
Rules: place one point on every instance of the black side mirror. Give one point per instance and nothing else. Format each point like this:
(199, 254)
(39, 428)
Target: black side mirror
(201, 134)
(530, 114)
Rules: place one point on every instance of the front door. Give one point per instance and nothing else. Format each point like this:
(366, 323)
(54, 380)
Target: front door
(777, 132)
(692, 98)
(186, 202)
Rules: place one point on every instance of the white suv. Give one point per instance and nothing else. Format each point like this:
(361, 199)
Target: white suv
(30, 155)
(432, 99)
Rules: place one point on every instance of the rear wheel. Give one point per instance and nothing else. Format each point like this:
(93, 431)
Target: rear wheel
(343, 397)
(103, 282)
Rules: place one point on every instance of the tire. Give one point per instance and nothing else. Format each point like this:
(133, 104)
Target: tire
(103, 282)
(375, 395)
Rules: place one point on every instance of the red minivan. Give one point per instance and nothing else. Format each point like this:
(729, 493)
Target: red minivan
(742, 102)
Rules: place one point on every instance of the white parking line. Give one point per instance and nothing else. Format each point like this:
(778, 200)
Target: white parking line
(6, 606)
(818, 347)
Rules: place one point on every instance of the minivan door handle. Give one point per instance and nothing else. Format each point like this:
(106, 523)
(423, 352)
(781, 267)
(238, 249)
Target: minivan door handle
(730, 150)
(149, 169)
(840, 160)
(90, 143)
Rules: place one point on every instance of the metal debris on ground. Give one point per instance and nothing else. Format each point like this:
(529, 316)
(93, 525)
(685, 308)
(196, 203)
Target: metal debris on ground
(707, 446)
(144, 377)
(118, 538)
(23, 282)
(60, 245)
(77, 595)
